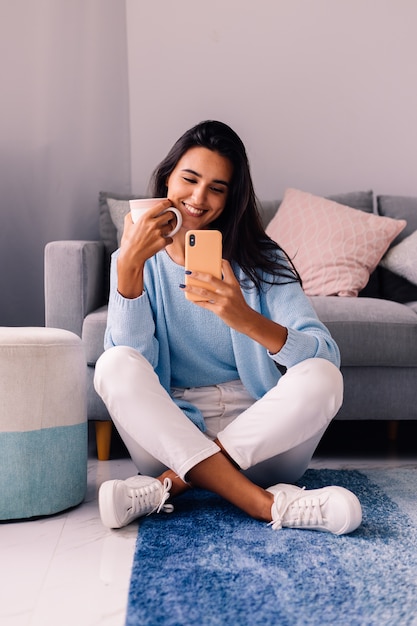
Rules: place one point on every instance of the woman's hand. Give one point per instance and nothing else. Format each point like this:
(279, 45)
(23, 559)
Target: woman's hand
(140, 241)
(225, 299)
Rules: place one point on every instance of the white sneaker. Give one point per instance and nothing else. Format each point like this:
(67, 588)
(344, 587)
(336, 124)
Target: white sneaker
(122, 501)
(331, 509)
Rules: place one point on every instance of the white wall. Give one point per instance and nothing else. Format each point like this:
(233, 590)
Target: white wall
(63, 134)
(323, 92)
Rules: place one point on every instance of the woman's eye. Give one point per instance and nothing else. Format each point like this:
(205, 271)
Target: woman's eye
(193, 181)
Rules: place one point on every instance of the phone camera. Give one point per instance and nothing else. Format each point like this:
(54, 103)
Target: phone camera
(192, 240)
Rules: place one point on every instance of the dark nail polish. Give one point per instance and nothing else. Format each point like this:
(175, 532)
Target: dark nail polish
(181, 286)
(188, 271)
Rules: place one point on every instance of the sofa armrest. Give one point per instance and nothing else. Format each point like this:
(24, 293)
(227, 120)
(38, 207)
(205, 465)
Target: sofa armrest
(74, 282)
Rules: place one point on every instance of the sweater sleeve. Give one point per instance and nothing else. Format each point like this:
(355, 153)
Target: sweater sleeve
(307, 336)
(130, 322)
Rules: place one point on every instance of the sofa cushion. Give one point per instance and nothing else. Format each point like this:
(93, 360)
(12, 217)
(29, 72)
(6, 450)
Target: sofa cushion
(363, 200)
(370, 331)
(334, 247)
(267, 210)
(412, 306)
(394, 286)
(401, 208)
(94, 327)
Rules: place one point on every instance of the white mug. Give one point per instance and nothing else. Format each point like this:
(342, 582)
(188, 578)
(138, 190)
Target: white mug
(140, 206)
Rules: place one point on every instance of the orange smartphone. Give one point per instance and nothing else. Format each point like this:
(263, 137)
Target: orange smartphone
(203, 253)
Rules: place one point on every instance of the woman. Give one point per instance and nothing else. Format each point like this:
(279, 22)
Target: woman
(229, 394)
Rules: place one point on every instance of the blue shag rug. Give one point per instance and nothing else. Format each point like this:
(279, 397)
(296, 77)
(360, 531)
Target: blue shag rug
(210, 564)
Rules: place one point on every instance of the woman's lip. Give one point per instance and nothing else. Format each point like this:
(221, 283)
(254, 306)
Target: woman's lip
(190, 210)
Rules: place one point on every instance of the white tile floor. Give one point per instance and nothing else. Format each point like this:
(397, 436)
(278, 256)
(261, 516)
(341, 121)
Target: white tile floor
(68, 570)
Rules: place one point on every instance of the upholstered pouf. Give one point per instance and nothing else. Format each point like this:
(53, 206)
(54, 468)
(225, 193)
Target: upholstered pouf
(43, 422)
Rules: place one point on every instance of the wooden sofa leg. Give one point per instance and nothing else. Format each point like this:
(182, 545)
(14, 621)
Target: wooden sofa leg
(103, 439)
(393, 430)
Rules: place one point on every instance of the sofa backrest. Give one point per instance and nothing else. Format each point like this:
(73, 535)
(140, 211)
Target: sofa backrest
(114, 206)
(383, 284)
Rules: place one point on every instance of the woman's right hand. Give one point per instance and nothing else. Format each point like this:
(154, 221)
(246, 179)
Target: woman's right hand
(140, 241)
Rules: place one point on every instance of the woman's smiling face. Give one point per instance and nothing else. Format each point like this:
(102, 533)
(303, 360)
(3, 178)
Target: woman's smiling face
(198, 186)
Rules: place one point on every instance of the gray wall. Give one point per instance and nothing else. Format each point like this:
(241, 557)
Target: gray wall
(323, 92)
(63, 134)
(94, 92)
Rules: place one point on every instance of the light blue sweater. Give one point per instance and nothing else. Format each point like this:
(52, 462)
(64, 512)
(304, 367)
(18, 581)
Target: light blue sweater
(190, 347)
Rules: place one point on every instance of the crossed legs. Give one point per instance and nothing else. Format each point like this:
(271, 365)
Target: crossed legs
(164, 443)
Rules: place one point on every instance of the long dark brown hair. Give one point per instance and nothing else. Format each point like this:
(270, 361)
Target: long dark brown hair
(244, 239)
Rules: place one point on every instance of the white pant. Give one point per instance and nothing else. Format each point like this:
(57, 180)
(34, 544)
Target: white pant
(271, 439)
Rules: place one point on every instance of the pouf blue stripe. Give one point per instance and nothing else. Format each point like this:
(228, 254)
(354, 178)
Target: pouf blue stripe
(42, 471)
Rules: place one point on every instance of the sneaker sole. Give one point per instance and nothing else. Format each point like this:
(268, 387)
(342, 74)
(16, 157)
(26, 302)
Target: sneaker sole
(105, 505)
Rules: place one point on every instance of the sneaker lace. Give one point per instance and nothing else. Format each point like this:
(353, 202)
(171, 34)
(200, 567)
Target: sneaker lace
(166, 508)
(298, 511)
(146, 499)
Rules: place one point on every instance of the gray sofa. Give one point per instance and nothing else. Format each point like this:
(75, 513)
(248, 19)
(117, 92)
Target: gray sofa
(376, 332)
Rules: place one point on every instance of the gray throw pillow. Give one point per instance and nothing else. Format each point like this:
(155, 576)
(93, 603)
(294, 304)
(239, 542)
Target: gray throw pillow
(112, 209)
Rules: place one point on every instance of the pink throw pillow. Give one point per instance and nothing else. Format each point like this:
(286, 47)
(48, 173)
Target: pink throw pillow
(334, 247)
